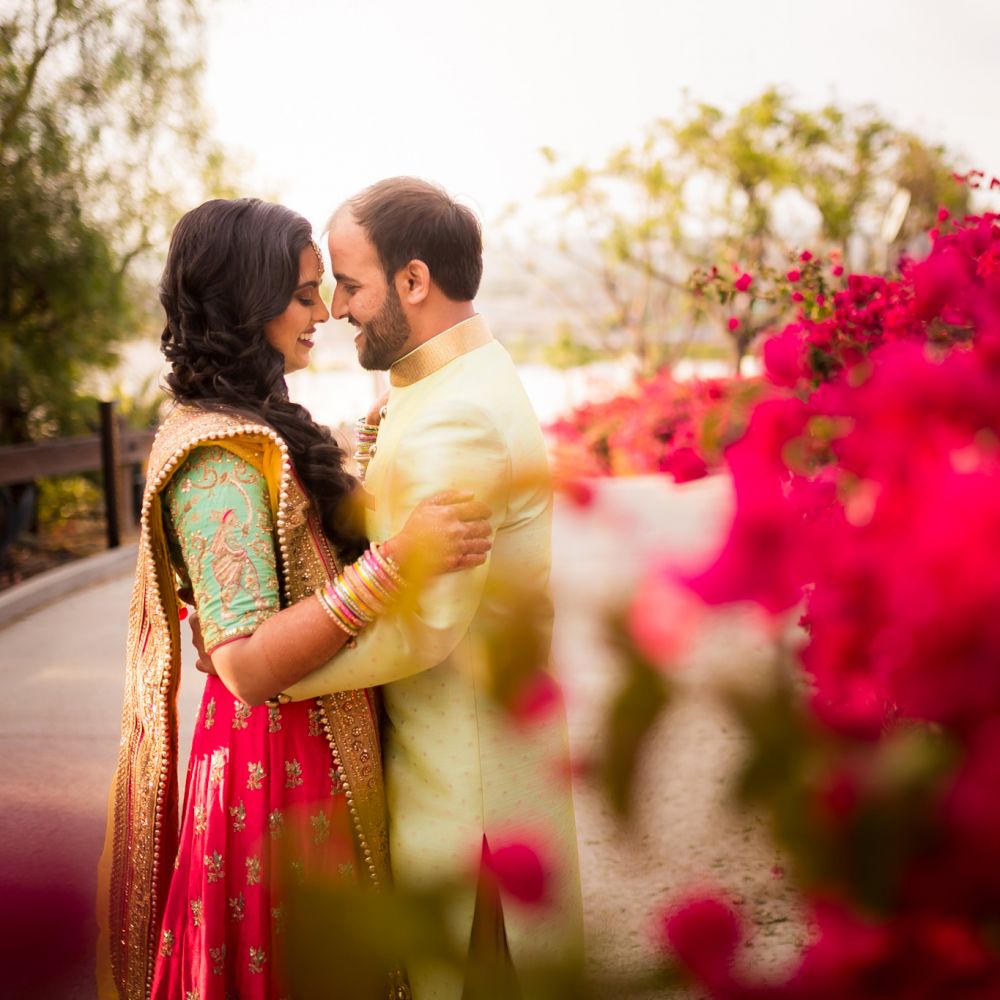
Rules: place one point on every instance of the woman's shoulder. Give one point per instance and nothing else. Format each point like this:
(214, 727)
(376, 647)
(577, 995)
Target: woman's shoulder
(188, 429)
(216, 472)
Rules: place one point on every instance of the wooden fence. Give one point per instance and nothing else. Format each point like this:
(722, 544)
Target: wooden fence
(119, 454)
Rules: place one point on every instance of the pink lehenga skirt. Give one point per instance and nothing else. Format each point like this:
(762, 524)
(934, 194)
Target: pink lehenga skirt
(262, 804)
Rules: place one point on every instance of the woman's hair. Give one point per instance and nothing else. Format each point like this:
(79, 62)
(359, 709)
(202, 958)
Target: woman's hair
(233, 266)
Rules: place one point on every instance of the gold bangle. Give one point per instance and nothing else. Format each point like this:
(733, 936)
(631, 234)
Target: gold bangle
(388, 564)
(372, 581)
(362, 591)
(333, 615)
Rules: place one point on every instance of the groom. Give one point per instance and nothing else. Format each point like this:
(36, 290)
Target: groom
(462, 777)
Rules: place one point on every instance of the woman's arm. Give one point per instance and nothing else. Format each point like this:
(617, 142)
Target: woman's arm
(444, 534)
(220, 522)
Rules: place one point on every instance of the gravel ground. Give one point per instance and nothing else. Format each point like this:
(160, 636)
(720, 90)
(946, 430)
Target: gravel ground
(683, 835)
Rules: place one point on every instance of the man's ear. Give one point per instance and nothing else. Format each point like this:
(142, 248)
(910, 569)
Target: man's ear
(413, 282)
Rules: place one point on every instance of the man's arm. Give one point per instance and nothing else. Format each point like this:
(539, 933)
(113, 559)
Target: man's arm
(453, 445)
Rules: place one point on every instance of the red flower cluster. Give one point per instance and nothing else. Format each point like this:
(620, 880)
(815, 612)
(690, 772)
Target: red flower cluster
(678, 428)
(868, 486)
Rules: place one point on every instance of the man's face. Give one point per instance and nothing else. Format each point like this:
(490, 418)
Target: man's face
(364, 298)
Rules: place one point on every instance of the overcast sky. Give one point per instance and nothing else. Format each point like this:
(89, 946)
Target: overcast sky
(324, 96)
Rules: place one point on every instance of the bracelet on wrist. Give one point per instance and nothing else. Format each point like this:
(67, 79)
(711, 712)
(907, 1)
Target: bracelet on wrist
(357, 596)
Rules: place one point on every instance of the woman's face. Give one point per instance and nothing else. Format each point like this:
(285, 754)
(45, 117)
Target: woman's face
(291, 333)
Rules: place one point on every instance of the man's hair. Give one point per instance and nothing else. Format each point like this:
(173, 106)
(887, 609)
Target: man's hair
(410, 219)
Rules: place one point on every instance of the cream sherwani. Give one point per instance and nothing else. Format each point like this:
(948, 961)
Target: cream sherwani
(456, 767)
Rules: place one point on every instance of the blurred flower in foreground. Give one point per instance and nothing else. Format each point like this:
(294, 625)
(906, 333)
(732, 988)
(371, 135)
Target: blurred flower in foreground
(518, 869)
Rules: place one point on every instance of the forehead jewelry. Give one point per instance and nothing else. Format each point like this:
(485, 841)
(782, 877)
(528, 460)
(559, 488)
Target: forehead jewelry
(319, 257)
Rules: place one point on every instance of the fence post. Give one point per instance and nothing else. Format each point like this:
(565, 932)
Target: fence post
(110, 451)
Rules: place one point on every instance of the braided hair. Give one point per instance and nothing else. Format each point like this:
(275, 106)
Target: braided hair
(232, 267)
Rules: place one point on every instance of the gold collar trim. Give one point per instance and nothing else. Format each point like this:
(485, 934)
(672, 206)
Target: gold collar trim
(440, 350)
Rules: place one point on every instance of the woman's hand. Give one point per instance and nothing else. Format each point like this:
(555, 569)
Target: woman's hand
(374, 417)
(446, 532)
(204, 661)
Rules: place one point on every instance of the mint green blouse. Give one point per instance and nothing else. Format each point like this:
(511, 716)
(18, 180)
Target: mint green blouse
(221, 536)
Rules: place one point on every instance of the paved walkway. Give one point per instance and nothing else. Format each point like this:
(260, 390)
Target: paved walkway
(60, 699)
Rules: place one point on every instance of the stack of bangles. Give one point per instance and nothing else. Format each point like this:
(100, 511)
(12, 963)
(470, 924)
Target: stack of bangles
(365, 433)
(362, 591)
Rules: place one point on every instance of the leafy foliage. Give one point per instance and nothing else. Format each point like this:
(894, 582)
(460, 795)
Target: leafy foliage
(738, 189)
(99, 121)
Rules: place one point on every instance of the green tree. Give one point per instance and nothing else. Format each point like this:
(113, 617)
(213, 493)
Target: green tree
(739, 190)
(101, 138)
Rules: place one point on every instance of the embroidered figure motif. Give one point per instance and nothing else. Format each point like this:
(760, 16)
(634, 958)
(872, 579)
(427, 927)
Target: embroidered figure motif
(273, 719)
(210, 713)
(321, 827)
(293, 774)
(218, 956)
(227, 557)
(167, 944)
(255, 776)
(239, 816)
(241, 713)
(219, 758)
(276, 823)
(237, 907)
(215, 866)
(253, 870)
(257, 959)
(315, 724)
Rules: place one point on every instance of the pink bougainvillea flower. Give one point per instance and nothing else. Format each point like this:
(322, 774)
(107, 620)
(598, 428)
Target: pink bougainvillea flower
(797, 297)
(578, 491)
(838, 270)
(733, 323)
(743, 282)
(518, 869)
(937, 280)
(759, 561)
(943, 214)
(794, 275)
(989, 262)
(784, 362)
(805, 256)
(537, 698)
(685, 465)
(704, 933)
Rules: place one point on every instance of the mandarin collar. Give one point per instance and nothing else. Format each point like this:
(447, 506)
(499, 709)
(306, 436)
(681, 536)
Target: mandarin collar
(440, 350)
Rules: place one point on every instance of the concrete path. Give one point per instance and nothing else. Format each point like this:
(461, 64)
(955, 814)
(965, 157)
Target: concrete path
(60, 700)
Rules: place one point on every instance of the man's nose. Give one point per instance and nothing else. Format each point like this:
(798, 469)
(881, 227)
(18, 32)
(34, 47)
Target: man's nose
(338, 306)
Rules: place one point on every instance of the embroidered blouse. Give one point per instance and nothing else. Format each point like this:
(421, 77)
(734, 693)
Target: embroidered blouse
(221, 535)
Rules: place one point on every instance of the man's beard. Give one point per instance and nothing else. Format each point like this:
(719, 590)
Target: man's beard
(383, 338)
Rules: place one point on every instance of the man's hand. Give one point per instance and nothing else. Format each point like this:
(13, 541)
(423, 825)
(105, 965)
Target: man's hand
(204, 661)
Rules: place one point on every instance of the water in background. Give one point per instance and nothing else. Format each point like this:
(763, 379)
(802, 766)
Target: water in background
(336, 390)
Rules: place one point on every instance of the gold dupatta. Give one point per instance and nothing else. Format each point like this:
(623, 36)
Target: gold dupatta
(141, 839)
